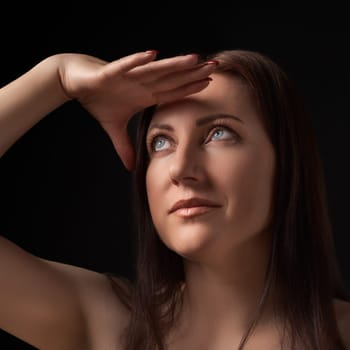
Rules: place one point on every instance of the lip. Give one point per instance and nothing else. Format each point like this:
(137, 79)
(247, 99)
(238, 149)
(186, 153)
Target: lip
(193, 205)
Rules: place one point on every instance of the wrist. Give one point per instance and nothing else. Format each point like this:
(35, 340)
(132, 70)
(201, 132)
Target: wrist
(57, 64)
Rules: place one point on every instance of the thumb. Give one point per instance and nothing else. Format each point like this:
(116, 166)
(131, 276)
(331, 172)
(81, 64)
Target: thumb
(122, 144)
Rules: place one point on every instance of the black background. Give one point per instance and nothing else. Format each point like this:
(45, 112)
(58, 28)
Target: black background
(65, 195)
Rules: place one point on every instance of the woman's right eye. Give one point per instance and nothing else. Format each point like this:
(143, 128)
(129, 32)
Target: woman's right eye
(159, 143)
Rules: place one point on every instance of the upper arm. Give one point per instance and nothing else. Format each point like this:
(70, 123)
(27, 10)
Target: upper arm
(42, 302)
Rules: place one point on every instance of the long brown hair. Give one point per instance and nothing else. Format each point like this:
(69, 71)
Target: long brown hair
(303, 263)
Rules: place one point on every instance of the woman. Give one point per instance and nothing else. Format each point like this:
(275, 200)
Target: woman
(235, 246)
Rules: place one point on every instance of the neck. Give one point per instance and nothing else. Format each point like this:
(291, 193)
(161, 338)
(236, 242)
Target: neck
(223, 295)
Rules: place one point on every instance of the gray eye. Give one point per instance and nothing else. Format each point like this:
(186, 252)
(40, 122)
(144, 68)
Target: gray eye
(160, 143)
(221, 133)
(218, 134)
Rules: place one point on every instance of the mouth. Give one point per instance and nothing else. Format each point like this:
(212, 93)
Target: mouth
(193, 207)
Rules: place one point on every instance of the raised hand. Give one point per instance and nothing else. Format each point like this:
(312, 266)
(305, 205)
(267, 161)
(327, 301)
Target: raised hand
(112, 92)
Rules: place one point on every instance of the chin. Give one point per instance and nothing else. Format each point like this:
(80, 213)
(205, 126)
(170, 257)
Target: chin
(190, 243)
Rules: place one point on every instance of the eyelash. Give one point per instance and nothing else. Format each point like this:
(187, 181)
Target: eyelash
(211, 131)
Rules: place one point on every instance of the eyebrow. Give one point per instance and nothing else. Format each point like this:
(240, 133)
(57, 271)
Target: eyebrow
(199, 122)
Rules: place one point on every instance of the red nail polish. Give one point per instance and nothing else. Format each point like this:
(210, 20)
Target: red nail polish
(152, 52)
(216, 62)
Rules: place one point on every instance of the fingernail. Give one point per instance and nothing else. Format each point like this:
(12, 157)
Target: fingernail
(193, 54)
(216, 62)
(152, 52)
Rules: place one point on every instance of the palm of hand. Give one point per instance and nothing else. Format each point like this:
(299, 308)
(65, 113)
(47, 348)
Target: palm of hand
(113, 92)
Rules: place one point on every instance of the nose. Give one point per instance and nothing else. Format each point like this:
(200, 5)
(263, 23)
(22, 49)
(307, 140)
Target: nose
(186, 165)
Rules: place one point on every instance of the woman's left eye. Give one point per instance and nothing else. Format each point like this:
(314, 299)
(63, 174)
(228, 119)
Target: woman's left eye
(222, 133)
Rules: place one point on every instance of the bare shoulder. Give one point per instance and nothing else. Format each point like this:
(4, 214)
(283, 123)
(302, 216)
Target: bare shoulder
(53, 305)
(342, 312)
(103, 305)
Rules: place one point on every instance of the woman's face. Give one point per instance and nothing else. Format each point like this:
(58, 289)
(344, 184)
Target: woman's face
(210, 151)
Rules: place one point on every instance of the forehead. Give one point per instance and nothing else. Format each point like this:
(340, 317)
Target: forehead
(224, 95)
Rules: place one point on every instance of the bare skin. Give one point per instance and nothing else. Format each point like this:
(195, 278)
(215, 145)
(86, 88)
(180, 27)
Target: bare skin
(198, 150)
(232, 165)
(97, 308)
(50, 305)
(56, 306)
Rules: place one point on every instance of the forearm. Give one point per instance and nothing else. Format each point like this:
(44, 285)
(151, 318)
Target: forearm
(28, 99)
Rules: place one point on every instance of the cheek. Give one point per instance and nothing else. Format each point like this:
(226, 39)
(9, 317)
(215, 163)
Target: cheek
(153, 189)
(150, 185)
(156, 187)
(249, 189)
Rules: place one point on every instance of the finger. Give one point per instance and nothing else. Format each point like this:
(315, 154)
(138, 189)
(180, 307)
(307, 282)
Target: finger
(156, 69)
(174, 80)
(122, 144)
(129, 62)
(182, 91)
(126, 152)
